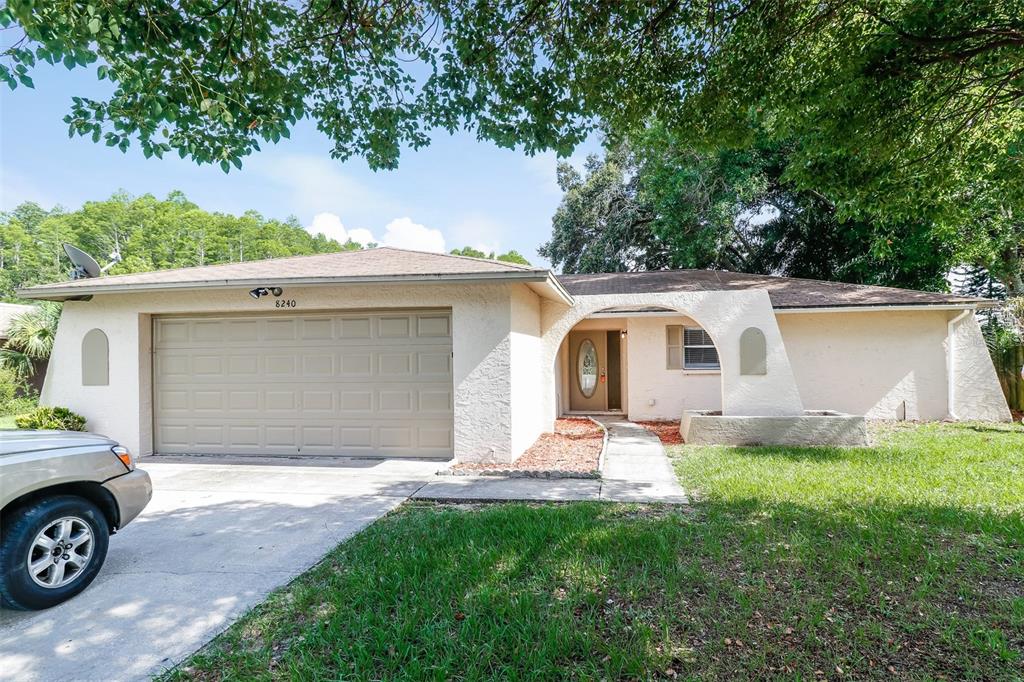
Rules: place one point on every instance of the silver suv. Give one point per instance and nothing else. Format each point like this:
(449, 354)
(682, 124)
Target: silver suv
(62, 494)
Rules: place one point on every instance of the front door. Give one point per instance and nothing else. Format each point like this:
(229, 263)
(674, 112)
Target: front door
(588, 371)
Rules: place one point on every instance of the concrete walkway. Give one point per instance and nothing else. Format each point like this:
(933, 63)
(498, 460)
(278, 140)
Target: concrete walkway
(636, 469)
(215, 540)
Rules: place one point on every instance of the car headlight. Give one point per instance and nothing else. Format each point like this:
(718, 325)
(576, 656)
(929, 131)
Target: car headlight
(125, 456)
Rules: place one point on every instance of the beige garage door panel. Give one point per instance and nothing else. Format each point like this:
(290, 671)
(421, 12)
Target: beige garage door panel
(373, 383)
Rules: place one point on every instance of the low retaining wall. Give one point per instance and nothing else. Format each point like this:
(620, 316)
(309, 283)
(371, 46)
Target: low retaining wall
(810, 428)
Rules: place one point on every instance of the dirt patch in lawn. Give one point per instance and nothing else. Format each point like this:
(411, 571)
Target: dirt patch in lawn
(574, 447)
(668, 432)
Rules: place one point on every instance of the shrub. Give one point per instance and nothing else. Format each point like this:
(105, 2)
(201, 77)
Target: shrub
(16, 396)
(51, 418)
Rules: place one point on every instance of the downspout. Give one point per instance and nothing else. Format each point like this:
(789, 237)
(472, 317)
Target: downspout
(951, 363)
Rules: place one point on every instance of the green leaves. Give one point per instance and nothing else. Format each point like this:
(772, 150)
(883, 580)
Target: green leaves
(150, 233)
(661, 203)
(902, 110)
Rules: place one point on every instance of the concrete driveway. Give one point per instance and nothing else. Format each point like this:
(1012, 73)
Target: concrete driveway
(215, 540)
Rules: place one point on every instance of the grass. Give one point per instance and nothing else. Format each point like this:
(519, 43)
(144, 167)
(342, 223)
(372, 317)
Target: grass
(7, 422)
(902, 560)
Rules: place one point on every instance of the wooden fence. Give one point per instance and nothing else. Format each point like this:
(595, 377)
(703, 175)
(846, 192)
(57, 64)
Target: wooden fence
(1008, 364)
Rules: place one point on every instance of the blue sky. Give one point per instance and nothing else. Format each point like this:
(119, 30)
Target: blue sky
(457, 190)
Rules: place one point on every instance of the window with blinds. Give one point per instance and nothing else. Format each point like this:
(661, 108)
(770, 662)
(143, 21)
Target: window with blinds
(689, 348)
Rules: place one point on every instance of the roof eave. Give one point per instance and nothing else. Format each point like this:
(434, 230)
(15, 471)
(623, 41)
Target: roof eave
(882, 307)
(58, 293)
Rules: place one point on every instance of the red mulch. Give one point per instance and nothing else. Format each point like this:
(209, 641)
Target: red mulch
(1018, 416)
(668, 432)
(574, 446)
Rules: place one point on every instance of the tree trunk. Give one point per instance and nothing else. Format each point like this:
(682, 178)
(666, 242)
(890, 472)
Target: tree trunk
(1020, 380)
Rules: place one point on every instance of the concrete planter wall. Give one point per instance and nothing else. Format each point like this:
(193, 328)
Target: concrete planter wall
(810, 428)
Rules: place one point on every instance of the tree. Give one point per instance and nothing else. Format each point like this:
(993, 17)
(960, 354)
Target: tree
(602, 224)
(657, 203)
(469, 252)
(513, 256)
(901, 112)
(149, 233)
(30, 337)
(509, 257)
(887, 82)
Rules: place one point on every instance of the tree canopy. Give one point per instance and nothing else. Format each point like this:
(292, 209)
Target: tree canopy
(900, 108)
(656, 203)
(150, 234)
(512, 256)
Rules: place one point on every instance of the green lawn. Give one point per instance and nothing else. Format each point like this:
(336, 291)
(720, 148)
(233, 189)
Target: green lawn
(906, 560)
(7, 422)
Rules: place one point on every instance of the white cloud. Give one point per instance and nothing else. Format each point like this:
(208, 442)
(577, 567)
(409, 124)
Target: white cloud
(361, 236)
(330, 226)
(401, 233)
(404, 233)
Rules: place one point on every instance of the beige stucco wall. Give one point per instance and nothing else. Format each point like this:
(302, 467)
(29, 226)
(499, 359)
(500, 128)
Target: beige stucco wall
(527, 416)
(507, 341)
(483, 347)
(976, 392)
(672, 390)
(724, 314)
(889, 365)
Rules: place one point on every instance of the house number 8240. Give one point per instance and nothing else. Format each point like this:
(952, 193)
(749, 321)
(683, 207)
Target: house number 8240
(288, 303)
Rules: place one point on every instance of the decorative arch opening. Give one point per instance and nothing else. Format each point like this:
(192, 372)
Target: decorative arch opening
(95, 358)
(753, 352)
(648, 361)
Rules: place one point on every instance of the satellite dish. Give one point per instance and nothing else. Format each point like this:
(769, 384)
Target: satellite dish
(85, 265)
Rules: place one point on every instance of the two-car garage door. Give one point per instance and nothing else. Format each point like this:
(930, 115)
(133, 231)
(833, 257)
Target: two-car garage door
(375, 383)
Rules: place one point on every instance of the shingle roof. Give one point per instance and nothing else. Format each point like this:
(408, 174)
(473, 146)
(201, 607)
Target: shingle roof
(388, 262)
(785, 292)
(380, 262)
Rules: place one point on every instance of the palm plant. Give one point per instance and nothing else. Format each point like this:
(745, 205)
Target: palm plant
(30, 337)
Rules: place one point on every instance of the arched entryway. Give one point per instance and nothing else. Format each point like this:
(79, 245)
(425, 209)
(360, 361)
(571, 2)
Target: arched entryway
(650, 362)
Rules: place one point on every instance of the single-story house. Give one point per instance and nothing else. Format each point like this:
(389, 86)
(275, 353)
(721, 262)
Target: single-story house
(388, 352)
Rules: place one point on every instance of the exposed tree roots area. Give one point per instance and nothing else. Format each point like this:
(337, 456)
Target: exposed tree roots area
(575, 446)
(904, 560)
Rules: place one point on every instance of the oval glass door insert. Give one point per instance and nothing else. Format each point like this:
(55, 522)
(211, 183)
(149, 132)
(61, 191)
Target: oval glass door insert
(586, 368)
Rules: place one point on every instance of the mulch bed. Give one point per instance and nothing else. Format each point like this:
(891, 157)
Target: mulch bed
(574, 447)
(668, 432)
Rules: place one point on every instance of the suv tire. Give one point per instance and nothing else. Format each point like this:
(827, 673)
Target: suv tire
(60, 530)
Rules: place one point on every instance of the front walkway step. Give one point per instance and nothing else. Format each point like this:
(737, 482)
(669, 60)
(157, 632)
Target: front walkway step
(636, 469)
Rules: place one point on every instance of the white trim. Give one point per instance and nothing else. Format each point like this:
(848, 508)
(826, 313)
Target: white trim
(823, 309)
(57, 293)
(883, 308)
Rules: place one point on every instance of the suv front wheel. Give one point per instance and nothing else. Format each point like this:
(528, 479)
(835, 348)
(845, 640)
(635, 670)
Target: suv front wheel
(50, 551)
